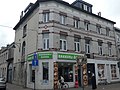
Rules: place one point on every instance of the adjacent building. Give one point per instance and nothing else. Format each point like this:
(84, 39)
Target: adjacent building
(59, 32)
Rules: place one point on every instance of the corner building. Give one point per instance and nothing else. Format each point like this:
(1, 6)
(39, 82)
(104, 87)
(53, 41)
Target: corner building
(59, 32)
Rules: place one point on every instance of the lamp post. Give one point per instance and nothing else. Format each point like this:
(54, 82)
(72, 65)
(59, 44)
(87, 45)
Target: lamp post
(80, 61)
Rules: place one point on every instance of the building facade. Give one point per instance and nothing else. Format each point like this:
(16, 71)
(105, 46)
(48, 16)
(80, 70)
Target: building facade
(6, 62)
(59, 32)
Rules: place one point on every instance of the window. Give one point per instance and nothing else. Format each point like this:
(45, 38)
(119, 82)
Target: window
(23, 48)
(86, 24)
(66, 70)
(85, 7)
(113, 71)
(46, 41)
(98, 29)
(107, 31)
(109, 48)
(46, 16)
(77, 44)
(32, 74)
(63, 43)
(100, 51)
(45, 66)
(24, 30)
(62, 19)
(76, 23)
(87, 46)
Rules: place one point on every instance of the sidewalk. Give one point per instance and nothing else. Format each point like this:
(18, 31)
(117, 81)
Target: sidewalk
(99, 87)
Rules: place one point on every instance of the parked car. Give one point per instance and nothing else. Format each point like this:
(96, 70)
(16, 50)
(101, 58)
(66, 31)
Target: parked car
(2, 83)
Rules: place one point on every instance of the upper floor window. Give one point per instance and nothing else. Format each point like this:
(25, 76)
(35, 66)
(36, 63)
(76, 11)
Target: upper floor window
(100, 50)
(98, 29)
(86, 24)
(62, 17)
(63, 42)
(23, 48)
(45, 41)
(77, 43)
(109, 48)
(118, 38)
(85, 7)
(24, 30)
(107, 31)
(76, 22)
(87, 46)
(46, 15)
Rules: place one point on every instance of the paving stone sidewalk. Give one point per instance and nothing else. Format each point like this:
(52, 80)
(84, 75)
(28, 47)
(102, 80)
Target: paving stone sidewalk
(99, 87)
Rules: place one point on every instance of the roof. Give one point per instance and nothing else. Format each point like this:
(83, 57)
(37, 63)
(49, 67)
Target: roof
(36, 4)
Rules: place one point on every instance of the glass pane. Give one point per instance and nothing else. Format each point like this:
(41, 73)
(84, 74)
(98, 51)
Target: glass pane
(60, 44)
(47, 43)
(65, 45)
(45, 70)
(78, 46)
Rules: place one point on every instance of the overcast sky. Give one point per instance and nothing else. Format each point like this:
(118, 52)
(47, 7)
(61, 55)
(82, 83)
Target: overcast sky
(10, 11)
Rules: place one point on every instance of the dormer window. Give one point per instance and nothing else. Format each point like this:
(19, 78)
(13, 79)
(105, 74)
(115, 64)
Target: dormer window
(85, 7)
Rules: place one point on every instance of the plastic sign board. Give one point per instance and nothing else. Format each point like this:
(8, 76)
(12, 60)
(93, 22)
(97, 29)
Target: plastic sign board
(35, 60)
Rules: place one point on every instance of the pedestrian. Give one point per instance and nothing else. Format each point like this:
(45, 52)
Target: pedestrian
(94, 86)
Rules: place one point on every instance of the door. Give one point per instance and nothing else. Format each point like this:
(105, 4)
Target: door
(90, 70)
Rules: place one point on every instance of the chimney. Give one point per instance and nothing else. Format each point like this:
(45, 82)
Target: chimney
(99, 14)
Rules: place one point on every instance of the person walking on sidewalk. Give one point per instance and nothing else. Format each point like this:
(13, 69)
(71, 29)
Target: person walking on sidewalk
(94, 86)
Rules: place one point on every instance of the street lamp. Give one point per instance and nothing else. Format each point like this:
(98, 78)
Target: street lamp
(80, 61)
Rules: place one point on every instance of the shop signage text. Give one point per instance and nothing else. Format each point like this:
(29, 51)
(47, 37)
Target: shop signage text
(67, 56)
(40, 56)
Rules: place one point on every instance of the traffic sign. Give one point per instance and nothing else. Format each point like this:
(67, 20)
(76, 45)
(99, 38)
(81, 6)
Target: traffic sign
(35, 60)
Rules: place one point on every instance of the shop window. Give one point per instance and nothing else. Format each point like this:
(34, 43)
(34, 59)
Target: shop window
(101, 71)
(32, 74)
(45, 66)
(66, 72)
(113, 71)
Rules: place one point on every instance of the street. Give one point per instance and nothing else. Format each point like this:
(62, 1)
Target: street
(99, 87)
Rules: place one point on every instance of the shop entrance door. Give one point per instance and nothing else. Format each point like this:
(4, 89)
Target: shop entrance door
(90, 70)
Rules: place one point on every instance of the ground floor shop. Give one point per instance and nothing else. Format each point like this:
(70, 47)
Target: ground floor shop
(52, 65)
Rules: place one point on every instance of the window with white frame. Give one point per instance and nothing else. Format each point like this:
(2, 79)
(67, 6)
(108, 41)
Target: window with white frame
(77, 44)
(62, 19)
(113, 71)
(107, 31)
(85, 7)
(109, 49)
(63, 43)
(98, 29)
(76, 23)
(100, 50)
(45, 41)
(86, 24)
(87, 46)
(46, 16)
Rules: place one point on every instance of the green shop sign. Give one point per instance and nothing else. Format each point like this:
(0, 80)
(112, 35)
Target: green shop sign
(67, 56)
(41, 56)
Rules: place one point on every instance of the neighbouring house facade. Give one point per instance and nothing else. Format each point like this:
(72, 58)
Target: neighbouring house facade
(6, 62)
(59, 32)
